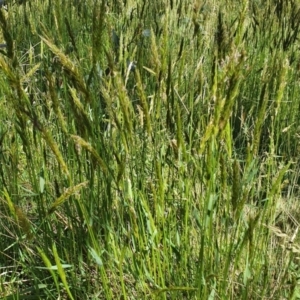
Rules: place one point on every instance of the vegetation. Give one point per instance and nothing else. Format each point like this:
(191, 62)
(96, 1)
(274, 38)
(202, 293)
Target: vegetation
(149, 149)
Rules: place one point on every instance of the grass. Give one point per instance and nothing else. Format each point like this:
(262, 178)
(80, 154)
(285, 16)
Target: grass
(149, 150)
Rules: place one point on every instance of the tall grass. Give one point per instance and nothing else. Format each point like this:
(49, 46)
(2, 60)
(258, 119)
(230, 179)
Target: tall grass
(149, 150)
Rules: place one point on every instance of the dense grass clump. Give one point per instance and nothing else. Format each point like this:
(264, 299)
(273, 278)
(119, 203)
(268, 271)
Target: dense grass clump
(149, 149)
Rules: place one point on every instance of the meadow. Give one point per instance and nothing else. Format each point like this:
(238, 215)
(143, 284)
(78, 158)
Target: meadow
(149, 149)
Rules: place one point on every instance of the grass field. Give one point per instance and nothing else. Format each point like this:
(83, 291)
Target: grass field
(149, 149)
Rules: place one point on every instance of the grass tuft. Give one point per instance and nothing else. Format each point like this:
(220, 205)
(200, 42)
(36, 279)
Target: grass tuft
(149, 150)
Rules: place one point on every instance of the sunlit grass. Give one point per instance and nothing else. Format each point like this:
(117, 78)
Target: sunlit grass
(149, 150)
